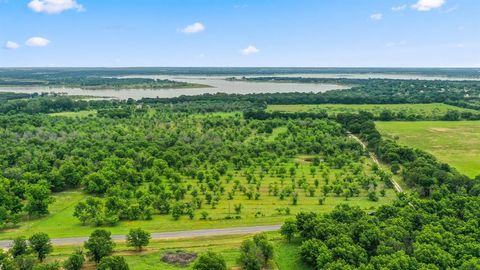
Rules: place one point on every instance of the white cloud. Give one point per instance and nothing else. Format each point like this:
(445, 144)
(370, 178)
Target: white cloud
(194, 28)
(427, 5)
(37, 42)
(11, 45)
(250, 50)
(54, 6)
(376, 16)
(399, 8)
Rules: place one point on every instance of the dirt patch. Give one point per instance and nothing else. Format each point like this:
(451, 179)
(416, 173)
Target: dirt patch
(179, 257)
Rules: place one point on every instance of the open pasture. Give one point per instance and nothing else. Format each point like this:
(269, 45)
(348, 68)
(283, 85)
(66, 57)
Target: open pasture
(456, 143)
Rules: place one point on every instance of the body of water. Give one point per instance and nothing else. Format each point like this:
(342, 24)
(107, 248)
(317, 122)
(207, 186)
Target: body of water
(220, 84)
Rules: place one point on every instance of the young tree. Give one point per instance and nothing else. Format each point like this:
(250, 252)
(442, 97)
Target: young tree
(138, 238)
(41, 245)
(210, 261)
(75, 261)
(266, 248)
(288, 229)
(113, 263)
(20, 247)
(99, 245)
(250, 256)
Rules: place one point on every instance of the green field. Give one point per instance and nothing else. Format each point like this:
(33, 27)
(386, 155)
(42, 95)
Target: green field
(455, 143)
(76, 114)
(427, 110)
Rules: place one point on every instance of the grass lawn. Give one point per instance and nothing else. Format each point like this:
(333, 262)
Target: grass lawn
(456, 143)
(431, 110)
(254, 212)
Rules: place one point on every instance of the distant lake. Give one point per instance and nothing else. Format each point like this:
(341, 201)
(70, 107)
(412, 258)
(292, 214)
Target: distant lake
(220, 84)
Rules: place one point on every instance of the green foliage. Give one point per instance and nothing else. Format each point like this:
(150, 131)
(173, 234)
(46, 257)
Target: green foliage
(113, 263)
(289, 229)
(20, 247)
(75, 261)
(251, 257)
(38, 198)
(210, 261)
(99, 245)
(138, 238)
(41, 245)
(47, 266)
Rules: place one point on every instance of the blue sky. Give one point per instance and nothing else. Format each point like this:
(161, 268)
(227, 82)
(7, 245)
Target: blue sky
(314, 33)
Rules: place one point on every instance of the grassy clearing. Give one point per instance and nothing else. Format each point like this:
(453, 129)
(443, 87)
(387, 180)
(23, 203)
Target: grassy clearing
(429, 110)
(456, 143)
(254, 212)
(285, 257)
(76, 114)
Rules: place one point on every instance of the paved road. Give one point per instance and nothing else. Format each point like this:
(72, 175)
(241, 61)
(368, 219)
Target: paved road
(165, 235)
(398, 188)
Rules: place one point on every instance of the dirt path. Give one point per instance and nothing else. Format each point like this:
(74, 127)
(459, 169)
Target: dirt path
(165, 235)
(397, 187)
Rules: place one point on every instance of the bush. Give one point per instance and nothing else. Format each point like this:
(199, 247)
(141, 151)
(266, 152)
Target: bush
(210, 261)
(113, 263)
(75, 261)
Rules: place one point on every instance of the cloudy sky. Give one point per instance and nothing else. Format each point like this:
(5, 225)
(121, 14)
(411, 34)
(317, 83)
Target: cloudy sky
(314, 33)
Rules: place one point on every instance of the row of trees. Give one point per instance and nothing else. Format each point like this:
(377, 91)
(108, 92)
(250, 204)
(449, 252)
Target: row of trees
(99, 248)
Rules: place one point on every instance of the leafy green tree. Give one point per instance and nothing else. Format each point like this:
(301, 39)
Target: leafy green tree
(99, 245)
(312, 249)
(251, 257)
(138, 238)
(266, 248)
(289, 229)
(6, 262)
(20, 246)
(210, 261)
(41, 245)
(113, 263)
(38, 199)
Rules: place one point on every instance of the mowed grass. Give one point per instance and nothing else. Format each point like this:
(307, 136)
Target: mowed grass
(76, 114)
(61, 222)
(456, 143)
(430, 110)
(285, 254)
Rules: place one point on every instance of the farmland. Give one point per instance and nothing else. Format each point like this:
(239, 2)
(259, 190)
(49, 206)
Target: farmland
(455, 143)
